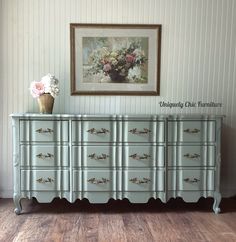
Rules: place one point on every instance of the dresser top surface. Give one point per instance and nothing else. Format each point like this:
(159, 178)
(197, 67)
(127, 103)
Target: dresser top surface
(116, 116)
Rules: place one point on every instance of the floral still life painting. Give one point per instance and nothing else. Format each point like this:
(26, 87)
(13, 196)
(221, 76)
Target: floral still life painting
(115, 59)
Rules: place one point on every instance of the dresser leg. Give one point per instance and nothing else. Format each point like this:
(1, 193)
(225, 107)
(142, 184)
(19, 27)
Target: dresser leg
(217, 200)
(17, 203)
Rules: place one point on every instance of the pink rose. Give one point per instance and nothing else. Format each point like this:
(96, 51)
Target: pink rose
(130, 58)
(36, 89)
(107, 67)
(103, 61)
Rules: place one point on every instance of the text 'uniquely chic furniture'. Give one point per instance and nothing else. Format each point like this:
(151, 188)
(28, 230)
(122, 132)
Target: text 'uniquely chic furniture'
(99, 157)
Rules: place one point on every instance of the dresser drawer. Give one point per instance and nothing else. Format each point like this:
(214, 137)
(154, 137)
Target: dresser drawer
(44, 131)
(44, 180)
(42, 155)
(143, 131)
(143, 180)
(99, 180)
(94, 156)
(191, 131)
(94, 131)
(191, 180)
(191, 155)
(143, 156)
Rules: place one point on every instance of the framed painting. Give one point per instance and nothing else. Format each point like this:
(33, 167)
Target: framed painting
(112, 59)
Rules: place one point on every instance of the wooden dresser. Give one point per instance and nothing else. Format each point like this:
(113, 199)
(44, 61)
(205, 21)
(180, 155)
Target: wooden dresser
(99, 157)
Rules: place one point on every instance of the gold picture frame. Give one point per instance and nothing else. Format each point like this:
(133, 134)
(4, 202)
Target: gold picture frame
(115, 59)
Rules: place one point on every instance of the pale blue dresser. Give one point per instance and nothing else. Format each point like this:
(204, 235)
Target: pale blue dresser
(99, 157)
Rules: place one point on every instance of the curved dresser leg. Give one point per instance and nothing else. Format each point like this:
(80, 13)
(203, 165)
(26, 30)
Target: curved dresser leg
(17, 203)
(217, 200)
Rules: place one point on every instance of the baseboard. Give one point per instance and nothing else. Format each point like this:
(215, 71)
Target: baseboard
(6, 194)
(228, 193)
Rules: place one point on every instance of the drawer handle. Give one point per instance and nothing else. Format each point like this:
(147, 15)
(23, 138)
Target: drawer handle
(135, 180)
(139, 157)
(136, 131)
(194, 180)
(98, 157)
(41, 180)
(47, 130)
(194, 156)
(95, 131)
(192, 131)
(96, 181)
(42, 156)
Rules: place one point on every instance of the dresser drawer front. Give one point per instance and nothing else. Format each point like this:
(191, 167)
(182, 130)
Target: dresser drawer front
(143, 180)
(99, 180)
(94, 156)
(191, 155)
(41, 155)
(44, 131)
(44, 180)
(94, 131)
(143, 156)
(191, 180)
(191, 131)
(144, 131)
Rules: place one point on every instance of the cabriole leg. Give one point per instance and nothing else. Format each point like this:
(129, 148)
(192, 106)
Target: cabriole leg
(17, 203)
(217, 200)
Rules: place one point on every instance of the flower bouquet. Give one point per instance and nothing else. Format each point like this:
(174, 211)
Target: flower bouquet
(45, 91)
(117, 63)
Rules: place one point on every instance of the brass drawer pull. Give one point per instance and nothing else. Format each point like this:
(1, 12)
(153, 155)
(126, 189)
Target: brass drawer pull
(95, 131)
(194, 180)
(96, 181)
(41, 180)
(136, 131)
(98, 157)
(194, 156)
(192, 131)
(139, 157)
(42, 156)
(135, 180)
(47, 130)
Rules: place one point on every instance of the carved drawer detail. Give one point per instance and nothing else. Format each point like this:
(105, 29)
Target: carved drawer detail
(45, 180)
(143, 131)
(143, 156)
(191, 180)
(188, 155)
(99, 180)
(44, 131)
(44, 155)
(94, 131)
(191, 131)
(94, 156)
(143, 180)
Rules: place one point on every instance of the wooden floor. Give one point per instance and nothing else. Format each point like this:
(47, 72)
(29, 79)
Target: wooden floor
(118, 221)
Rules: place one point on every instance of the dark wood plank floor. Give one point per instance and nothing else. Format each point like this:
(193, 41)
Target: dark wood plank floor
(118, 221)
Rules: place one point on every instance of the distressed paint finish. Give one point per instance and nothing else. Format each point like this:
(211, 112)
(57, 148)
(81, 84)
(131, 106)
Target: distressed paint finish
(101, 158)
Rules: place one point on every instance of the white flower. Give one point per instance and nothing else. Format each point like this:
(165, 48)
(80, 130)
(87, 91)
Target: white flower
(105, 79)
(134, 73)
(138, 52)
(50, 85)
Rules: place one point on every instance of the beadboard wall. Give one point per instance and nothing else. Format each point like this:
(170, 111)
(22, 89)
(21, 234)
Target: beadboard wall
(198, 63)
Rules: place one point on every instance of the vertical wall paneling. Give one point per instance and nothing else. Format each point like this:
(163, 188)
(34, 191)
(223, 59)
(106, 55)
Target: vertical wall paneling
(1, 83)
(198, 62)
